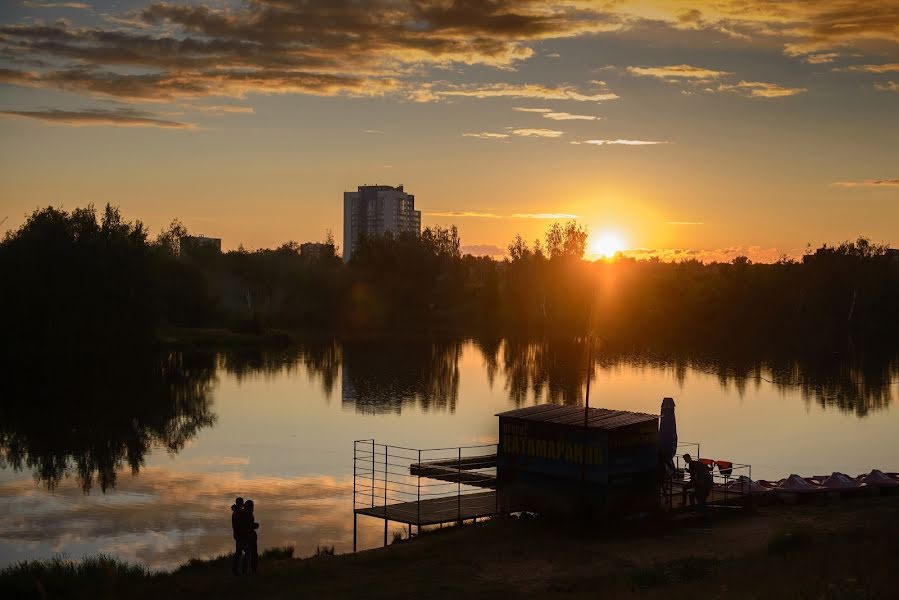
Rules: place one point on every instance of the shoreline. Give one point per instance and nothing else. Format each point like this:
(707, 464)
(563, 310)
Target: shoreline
(843, 549)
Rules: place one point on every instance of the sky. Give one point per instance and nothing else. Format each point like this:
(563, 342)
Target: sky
(668, 128)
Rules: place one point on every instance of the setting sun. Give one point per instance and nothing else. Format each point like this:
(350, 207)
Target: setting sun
(606, 244)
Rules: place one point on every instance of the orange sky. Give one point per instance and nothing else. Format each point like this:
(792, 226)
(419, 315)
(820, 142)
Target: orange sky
(734, 127)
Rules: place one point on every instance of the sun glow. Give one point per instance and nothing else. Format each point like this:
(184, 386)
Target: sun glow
(606, 244)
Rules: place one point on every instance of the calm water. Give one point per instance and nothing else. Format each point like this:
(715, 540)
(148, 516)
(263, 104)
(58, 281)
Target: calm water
(141, 458)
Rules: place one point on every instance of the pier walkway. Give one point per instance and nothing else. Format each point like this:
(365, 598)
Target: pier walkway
(436, 511)
(423, 487)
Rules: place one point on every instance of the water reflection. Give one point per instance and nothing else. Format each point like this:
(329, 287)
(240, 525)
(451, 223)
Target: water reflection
(321, 360)
(388, 376)
(78, 427)
(90, 418)
(857, 383)
(167, 515)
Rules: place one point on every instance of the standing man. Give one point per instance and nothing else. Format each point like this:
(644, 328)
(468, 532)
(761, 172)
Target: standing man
(237, 515)
(248, 531)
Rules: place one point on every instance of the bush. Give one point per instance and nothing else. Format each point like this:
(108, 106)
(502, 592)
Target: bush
(277, 553)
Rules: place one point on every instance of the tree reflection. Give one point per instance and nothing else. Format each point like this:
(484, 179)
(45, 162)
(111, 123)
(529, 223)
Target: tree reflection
(555, 371)
(387, 376)
(91, 417)
(320, 358)
(549, 371)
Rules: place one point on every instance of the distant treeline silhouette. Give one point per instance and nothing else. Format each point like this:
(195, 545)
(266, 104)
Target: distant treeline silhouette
(79, 278)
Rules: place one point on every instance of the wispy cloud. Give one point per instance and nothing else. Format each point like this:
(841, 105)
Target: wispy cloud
(220, 109)
(463, 213)
(536, 132)
(73, 5)
(881, 68)
(101, 117)
(564, 116)
(868, 183)
(685, 223)
(548, 113)
(529, 90)
(759, 89)
(621, 142)
(487, 215)
(545, 216)
(889, 86)
(821, 58)
(376, 131)
(677, 72)
(486, 135)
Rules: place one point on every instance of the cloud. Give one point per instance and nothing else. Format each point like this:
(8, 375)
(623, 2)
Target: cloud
(536, 132)
(484, 250)
(869, 183)
(677, 72)
(548, 113)
(564, 116)
(101, 117)
(821, 58)
(685, 223)
(374, 131)
(181, 49)
(487, 135)
(759, 89)
(889, 86)
(687, 74)
(487, 215)
(881, 68)
(73, 5)
(528, 90)
(216, 110)
(463, 213)
(620, 142)
(553, 216)
(215, 82)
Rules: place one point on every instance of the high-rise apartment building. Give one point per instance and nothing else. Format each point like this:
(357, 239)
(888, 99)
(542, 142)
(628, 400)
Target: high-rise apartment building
(374, 210)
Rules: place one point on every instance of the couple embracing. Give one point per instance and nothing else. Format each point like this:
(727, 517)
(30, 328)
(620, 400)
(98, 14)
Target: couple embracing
(244, 526)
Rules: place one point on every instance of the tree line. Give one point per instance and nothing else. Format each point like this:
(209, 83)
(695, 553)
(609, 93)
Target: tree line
(90, 278)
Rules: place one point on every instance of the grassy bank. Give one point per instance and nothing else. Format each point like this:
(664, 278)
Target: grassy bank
(845, 550)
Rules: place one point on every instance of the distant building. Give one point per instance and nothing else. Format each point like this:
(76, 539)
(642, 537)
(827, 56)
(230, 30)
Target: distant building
(200, 244)
(375, 210)
(316, 250)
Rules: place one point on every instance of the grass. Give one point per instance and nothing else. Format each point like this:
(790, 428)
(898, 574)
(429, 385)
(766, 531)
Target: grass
(839, 551)
(56, 577)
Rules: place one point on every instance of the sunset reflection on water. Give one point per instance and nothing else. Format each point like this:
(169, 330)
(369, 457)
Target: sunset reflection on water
(278, 427)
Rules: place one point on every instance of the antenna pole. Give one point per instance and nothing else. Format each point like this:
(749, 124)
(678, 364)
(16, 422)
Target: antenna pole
(587, 402)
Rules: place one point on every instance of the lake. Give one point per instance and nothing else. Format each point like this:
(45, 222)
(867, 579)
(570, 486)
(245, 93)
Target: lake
(141, 456)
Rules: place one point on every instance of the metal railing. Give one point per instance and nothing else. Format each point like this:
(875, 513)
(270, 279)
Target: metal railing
(729, 479)
(419, 485)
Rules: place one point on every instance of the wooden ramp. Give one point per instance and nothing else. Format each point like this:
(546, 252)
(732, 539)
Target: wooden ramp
(434, 511)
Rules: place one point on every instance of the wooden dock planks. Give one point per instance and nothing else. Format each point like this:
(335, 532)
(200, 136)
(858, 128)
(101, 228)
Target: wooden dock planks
(434, 511)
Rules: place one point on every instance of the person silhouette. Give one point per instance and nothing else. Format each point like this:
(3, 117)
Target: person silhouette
(240, 548)
(248, 530)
